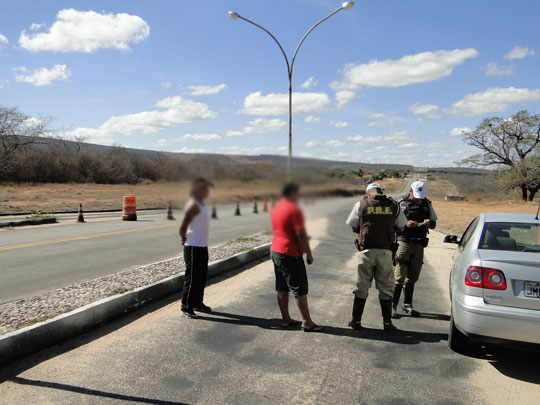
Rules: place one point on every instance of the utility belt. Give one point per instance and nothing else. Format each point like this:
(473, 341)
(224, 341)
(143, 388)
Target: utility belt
(393, 247)
(421, 241)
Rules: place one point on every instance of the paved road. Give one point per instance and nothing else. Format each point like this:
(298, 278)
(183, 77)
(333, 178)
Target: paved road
(35, 260)
(239, 354)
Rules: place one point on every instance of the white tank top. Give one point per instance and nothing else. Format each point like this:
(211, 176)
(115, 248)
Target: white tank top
(198, 229)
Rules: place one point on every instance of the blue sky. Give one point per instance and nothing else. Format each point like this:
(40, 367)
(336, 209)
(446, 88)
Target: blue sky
(388, 81)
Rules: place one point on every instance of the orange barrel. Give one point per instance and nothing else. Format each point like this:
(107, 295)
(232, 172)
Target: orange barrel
(130, 208)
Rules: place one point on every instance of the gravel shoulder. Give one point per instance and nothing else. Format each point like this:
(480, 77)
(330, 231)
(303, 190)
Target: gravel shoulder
(24, 312)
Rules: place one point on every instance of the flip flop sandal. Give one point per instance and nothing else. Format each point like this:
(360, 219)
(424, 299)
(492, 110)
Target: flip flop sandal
(291, 324)
(313, 328)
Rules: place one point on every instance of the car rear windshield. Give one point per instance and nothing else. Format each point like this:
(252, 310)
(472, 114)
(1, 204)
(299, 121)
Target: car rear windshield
(512, 236)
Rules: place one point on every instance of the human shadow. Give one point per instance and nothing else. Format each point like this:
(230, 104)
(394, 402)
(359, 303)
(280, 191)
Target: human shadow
(425, 315)
(518, 363)
(92, 392)
(400, 336)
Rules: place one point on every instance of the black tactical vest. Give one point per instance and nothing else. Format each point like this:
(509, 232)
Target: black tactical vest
(377, 222)
(418, 213)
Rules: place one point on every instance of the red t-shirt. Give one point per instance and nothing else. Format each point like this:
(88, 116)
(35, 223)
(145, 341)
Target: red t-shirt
(286, 220)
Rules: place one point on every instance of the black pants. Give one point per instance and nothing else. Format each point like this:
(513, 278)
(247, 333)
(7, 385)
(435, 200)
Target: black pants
(196, 259)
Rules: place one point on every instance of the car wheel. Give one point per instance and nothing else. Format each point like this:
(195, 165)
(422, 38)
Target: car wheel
(457, 341)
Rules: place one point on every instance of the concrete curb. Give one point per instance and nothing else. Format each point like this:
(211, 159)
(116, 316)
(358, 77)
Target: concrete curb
(23, 342)
(28, 222)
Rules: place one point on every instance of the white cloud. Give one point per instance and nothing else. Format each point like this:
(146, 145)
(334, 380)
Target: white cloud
(278, 103)
(494, 69)
(166, 85)
(410, 69)
(3, 40)
(309, 83)
(459, 131)
(258, 150)
(42, 76)
(36, 27)
(206, 90)
(339, 124)
(344, 96)
(162, 143)
(171, 112)
(232, 132)
(335, 143)
(201, 137)
(427, 111)
(377, 115)
(87, 31)
(389, 122)
(518, 52)
(263, 125)
(3, 83)
(312, 144)
(312, 119)
(190, 150)
(494, 99)
(395, 137)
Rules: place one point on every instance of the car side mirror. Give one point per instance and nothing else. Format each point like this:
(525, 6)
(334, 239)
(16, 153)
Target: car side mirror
(451, 239)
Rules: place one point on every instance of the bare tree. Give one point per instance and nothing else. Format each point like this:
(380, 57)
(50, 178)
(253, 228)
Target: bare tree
(512, 143)
(17, 132)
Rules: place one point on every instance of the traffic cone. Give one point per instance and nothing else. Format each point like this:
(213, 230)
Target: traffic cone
(255, 209)
(169, 212)
(237, 212)
(214, 212)
(81, 216)
(265, 205)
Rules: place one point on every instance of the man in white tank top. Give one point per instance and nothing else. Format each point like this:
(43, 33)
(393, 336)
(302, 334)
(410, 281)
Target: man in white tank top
(194, 233)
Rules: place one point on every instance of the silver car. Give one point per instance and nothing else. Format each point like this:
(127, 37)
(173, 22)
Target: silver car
(495, 282)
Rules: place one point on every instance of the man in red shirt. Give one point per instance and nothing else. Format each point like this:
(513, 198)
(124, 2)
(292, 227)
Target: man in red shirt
(289, 243)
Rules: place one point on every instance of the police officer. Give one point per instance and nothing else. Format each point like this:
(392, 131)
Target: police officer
(375, 218)
(412, 241)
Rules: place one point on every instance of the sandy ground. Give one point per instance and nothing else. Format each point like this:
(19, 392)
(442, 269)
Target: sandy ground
(454, 216)
(66, 197)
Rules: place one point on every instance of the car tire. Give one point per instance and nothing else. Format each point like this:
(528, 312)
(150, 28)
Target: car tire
(457, 341)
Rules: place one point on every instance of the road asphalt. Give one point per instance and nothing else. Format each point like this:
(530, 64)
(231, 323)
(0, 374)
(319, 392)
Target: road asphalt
(239, 354)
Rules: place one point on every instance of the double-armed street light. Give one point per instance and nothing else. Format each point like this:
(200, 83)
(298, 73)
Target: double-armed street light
(290, 66)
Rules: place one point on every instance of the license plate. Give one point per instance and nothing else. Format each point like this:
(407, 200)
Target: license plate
(532, 289)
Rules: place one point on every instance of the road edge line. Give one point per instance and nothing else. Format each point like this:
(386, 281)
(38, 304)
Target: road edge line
(23, 342)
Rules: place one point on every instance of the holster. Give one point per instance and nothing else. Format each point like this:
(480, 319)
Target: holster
(425, 242)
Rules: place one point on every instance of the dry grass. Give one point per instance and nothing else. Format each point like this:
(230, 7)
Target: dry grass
(66, 197)
(454, 216)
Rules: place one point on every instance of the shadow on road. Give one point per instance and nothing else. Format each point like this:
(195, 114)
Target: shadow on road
(400, 337)
(518, 364)
(88, 391)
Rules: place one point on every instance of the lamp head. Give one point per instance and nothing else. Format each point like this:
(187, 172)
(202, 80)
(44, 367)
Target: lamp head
(234, 15)
(347, 5)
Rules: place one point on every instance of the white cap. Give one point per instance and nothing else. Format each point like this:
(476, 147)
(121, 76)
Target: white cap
(372, 186)
(419, 189)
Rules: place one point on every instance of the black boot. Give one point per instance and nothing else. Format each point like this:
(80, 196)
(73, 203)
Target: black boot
(386, 309)
(407, 301)
(395, 300)
(357, 311)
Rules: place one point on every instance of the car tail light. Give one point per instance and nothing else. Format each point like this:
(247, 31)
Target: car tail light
(484, 277)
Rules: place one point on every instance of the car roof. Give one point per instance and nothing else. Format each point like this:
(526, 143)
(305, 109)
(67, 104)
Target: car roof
(508, 217)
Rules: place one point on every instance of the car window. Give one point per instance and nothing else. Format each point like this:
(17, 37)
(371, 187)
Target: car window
(512, 236)
(469, 232)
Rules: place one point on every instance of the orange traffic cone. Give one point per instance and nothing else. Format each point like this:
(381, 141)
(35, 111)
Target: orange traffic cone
(81, 215)
(169, 212)
(265, 205)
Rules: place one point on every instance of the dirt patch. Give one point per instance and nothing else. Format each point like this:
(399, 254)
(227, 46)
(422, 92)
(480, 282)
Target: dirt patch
(454, 216)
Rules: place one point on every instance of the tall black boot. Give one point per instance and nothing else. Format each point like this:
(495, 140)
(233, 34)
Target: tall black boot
(407, 301)
(395, 300)
(386, 310)
(357, 311)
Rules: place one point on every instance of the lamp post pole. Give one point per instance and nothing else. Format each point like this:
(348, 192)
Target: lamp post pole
(290, 66)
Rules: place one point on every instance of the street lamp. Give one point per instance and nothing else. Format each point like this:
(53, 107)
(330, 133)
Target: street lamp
(290, 66)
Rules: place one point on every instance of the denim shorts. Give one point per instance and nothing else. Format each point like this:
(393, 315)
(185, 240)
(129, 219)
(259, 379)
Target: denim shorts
(290, 273)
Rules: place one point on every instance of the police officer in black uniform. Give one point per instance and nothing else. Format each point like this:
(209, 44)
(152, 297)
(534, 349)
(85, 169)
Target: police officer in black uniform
(421, 218)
